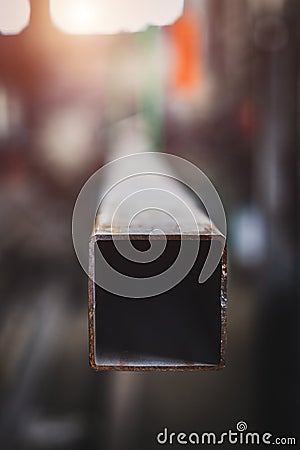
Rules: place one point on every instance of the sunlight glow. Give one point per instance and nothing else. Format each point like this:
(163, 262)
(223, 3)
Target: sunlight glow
(113, 16)
(14, 16)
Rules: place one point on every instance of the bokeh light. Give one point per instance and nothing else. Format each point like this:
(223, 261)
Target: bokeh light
(14, 16)
(113, 16)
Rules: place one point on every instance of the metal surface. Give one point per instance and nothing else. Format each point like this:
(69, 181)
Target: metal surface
(156, 365)
(182, 329)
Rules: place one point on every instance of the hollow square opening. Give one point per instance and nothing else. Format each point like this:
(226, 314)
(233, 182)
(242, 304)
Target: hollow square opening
(176, 329)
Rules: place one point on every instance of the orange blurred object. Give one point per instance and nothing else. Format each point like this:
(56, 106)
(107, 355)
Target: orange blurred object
(187, 37)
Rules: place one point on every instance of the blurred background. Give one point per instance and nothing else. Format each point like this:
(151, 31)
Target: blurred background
(219, 87)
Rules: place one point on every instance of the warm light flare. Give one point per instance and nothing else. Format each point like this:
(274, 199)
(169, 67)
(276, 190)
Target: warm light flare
(14, 16)
(113, 16)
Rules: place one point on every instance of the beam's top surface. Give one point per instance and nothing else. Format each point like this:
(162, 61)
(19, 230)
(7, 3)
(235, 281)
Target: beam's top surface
(149, 199)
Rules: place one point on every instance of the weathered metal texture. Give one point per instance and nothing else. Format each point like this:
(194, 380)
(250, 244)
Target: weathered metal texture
(137, 334)
(151, 367)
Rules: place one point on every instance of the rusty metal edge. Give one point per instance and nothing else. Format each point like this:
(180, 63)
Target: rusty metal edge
(166, 368)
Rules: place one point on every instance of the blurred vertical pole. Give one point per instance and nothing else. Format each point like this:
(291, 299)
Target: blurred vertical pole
(150, 95)
(275, 180)
(215, 11)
